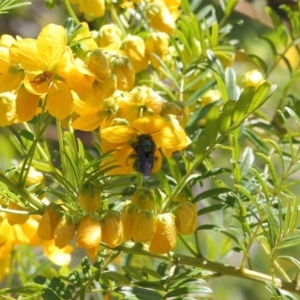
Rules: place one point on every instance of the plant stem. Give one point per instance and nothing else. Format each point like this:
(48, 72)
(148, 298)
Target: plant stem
(219, 268)
(71, 11)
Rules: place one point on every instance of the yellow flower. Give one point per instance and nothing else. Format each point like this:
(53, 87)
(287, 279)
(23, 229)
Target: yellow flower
(90, 198)
(7, 109)
(164, 234)
(49, 222)
(5, 42)
(44, 59)
(252, 78)
(112, 229)
(159, 16)
(167, 136)
(121, 68)
(64, 232)
(143, 227)
(60, 257)
(91, 118)
(143, 198)
(109, 34)
(157, 43)
(129, 214)
(209, 97)
(134, 47)
(179, 109)
(186, 217)
(97, 62)
(5, 267)
(139, 101)
(7, 239)
(15, 218)
(94, 8)
(89, 233)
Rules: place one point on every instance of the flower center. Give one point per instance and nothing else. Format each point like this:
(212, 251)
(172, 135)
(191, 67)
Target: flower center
(41, 78)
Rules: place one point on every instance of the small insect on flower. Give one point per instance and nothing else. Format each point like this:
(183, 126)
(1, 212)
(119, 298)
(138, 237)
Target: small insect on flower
(144, 149)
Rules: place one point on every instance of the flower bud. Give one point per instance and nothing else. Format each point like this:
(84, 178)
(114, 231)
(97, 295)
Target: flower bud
(64, 232)
(112, 229)
(94, 8)
(143, 227)
(164, 234)
(143, 198)
(122, 69)
(7, 109)
(89, 233)
(97, 62)
(186, 217)
(15, 218)
(34, 177)
(210, 96)
(129, 214)
(48, 222)
(134, 47)
(179, 109)
(252, 78)
(90, 198)
(158, 44)
(109, 34)
(92, 253)
(160, 17)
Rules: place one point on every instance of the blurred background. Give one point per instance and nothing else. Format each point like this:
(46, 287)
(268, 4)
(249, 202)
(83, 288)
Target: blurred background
(27, 21)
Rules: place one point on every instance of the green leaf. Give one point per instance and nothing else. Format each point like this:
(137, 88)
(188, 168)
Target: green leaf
(291, 259)
(230, 5)
(225, 119)
(27, 135)
(262, 93)
(139, 293)
(211, 193)
(116, 277)
(211, 125)
(271, 168)
(247, 161)
(194, 289)
(135, 273)
(230, 81)
(199, 92)
(202, 144)
(278, 25)
(290, 241)
(211, 208)
(259, 62)
(262, 183)
(243, 104)
(174, 168)
(164, 182)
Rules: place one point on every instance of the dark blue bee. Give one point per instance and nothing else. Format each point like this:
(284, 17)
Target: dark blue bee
(144, 149)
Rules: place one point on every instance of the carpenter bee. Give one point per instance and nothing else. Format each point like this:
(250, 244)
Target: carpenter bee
(144, 149)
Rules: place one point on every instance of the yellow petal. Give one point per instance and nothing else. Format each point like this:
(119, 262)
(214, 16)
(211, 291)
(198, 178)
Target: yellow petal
(34, 85)
(118, 133)
(88, 122)
(149, 124)
(25, 53)
(11, 79)
(5, 264)
(7, 109)
(26, 105)
(60, 257)
(59, 101)
(51, 45)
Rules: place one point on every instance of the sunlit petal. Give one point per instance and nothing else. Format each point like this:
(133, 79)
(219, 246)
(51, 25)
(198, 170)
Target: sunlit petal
(59, 100)
(51, 45)
(26, 105)
(25, 53)
(118, 133)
